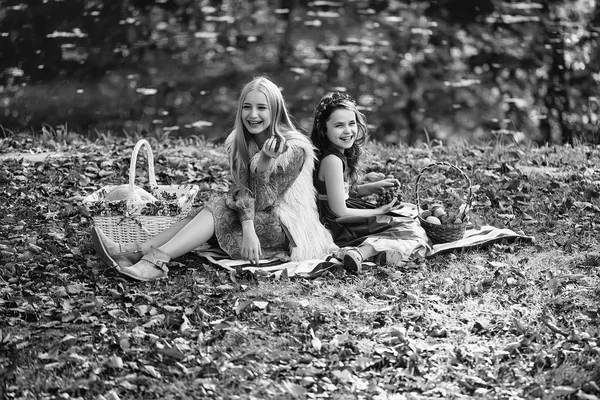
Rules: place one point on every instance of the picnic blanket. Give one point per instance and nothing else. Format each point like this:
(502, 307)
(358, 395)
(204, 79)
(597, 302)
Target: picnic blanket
(473, 238)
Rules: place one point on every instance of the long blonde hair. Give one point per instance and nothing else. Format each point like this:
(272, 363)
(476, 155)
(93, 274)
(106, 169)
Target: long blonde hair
(243, 146)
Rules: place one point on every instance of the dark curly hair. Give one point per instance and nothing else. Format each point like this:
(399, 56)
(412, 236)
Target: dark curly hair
(329, 103)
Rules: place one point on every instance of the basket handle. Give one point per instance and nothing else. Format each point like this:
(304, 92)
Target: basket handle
(134, 155)
(443, 163)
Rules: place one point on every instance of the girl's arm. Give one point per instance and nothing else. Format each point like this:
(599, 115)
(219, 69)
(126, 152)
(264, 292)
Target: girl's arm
(331, 171)
(367, 189)
(273, 176)
(243, 202)
(250, 249)
(282, 173)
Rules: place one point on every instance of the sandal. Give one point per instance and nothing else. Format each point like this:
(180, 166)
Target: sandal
(134, 272)
(151, 267)
(352, 259)
(124, 259)
(101, 249)
(380, 259)
(127, 259)
(396, 260)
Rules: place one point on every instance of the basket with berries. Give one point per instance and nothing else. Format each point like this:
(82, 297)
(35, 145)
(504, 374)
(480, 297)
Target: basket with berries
(444, 211)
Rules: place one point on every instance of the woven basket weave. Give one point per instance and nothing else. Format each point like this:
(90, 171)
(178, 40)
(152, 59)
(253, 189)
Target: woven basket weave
(131, 220)
(448, 232)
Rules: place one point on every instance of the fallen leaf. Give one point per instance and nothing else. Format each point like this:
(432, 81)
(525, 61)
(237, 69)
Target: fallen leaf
(152, 371)
(261, 305)
(293, 389)
(115, 362)
(563, 390)
(316, 343)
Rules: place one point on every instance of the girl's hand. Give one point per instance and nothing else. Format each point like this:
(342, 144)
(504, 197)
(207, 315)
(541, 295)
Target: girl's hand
(251, 250)
(275, 146)
(380, 186)
(391, 206)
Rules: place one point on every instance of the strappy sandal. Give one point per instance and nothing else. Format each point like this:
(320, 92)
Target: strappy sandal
(396, 260)
(101, 249)
(116, 260)
(352, 259)
(133, 272)
(125, 260)
(155, 260)
(380, 259)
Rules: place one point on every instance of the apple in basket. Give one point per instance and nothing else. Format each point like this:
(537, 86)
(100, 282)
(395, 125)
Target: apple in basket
(433, 220)
(436, 214)
(121, 192)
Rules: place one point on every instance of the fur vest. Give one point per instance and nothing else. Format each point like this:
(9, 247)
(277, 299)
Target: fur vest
(297, 207)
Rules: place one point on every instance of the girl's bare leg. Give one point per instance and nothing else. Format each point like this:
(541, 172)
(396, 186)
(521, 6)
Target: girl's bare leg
(175, 243)
(188, 237)
(118, 249)
(164, 236)
(367, 251)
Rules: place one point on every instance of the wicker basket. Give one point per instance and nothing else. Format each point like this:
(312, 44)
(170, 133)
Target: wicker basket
(448, 232)
(131, 220)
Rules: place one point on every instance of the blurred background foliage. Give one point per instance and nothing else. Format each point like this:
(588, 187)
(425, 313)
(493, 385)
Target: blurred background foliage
(422, 70)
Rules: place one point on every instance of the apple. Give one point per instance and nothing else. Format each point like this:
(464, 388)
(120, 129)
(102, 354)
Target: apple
(433, 220)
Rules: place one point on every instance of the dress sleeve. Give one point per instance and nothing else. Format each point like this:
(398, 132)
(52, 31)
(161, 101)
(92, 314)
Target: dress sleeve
(266, 187)
(241, 200)
(269, 185)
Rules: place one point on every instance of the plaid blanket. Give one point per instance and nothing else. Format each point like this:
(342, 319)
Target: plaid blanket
(473, 238)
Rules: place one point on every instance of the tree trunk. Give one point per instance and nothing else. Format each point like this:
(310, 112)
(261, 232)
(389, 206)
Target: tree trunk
(557, 96)
(285, 46)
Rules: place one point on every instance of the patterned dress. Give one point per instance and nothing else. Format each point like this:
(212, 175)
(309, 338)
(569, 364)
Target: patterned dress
(256, 202)
(399, 237)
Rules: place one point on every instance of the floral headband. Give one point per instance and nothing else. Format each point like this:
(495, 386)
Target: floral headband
(329, 99)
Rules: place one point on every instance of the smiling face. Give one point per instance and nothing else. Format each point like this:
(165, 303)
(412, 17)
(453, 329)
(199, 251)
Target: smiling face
(342, 129)
(256, 115)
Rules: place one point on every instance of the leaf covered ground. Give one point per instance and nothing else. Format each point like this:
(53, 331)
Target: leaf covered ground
(510, 321)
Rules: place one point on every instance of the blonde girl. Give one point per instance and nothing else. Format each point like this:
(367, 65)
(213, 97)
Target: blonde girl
(270, 210)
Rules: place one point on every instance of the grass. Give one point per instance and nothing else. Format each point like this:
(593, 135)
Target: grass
(511, 321)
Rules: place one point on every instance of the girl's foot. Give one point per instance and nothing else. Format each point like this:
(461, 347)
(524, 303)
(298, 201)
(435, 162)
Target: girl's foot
(115, 254)
(352, 258)
(127, 259)
(143, 271)
(152, 266)
(396, 260)
(380, 259)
